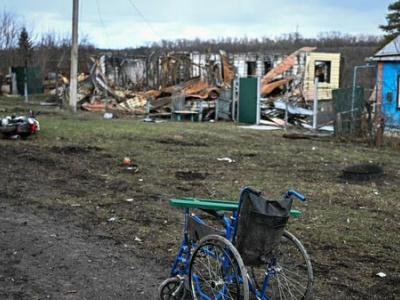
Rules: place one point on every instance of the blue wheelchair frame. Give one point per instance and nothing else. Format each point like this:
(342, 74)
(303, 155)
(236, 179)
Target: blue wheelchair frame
(180, 265)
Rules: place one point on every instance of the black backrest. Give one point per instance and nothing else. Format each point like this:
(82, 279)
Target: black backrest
(260, 226)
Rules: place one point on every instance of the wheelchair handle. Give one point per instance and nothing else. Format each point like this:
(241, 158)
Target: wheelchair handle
(295, 193)
(253, 191)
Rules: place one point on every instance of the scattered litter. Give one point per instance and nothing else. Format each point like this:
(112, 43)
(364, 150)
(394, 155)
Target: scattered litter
(153, 120)
(261, 127)
(75, 205)
(112, 219)
(108, 115)
(129, 200)
(327, 128)
(227, 159)
(70, 292)
(137, 239)
(49, 104)
(376, 192)
(140, 180)
(127, 160)
(381, 274)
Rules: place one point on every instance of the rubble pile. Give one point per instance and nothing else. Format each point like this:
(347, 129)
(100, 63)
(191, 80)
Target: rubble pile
(191, 82)
(283, 101)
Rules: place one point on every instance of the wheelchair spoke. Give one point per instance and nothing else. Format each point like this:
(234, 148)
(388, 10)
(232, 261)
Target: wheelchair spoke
(214, 271)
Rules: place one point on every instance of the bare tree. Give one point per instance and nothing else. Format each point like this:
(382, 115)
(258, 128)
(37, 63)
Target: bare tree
(9, 31)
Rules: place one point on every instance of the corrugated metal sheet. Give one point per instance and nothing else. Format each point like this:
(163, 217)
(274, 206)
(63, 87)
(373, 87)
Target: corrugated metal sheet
(391, 49)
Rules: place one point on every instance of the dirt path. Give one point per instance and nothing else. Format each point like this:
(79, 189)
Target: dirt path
(43, 257)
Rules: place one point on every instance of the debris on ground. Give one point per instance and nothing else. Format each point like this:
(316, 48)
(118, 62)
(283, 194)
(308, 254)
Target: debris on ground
(227, 159)
(381, 274)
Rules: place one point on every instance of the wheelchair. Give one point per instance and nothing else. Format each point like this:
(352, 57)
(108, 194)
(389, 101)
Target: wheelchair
(242, 252)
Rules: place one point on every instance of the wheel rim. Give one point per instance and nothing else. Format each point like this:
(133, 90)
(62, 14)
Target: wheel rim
(290, 272)
(213, 273)
(169, 290)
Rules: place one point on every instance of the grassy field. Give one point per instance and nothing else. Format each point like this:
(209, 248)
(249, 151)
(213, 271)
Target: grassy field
(350, 230)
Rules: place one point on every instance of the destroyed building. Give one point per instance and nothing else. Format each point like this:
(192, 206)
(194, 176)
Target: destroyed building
(191, 82)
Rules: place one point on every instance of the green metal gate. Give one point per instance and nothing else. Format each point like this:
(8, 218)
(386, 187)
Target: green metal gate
(249, 104)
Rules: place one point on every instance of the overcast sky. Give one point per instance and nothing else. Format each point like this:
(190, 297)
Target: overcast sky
(132, 23)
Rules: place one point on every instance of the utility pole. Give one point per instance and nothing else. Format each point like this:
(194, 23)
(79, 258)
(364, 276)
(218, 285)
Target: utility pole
(74, 58)
(26, 78)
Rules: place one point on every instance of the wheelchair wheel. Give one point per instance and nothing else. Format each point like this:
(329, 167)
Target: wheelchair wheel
(292, 275)
(217, 271)
(172, 289)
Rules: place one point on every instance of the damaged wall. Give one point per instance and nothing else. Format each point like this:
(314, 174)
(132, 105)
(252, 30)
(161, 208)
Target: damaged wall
(325, 66)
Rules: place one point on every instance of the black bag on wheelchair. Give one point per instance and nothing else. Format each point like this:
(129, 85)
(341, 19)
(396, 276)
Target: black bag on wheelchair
(261, 223)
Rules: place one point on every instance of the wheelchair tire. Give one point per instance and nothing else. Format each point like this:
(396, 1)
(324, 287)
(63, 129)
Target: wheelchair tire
(292, 274)
(172, 289)
(216, 268)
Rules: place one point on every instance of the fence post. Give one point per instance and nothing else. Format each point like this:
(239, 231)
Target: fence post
(380, 123)
(315, 103)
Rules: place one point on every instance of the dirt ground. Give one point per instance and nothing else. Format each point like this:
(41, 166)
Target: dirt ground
(56, 252)
(75, 223)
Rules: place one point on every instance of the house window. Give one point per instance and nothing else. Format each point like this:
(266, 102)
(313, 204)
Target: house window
(322, 70)
(267, 66)
(251, 68)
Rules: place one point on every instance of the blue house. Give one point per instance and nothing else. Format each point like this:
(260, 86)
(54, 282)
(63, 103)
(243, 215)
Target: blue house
(388, 85)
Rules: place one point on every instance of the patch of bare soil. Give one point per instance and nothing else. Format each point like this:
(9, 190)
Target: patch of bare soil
(190, 175)
(44, 257)
(181, 142)
(54, 242)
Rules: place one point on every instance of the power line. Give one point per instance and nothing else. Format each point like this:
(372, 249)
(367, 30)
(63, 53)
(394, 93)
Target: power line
(144, 19)
(101, 20)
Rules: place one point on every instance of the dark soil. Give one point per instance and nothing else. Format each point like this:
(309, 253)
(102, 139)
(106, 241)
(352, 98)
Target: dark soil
(62, 251)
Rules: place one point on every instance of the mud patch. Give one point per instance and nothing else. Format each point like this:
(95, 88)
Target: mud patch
(70, 149)
(181, 142)
(190, 175)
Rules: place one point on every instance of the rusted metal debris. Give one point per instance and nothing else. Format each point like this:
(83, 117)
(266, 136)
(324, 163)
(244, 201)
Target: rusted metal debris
(284, 66)
(149, 84)
(227, 70)
(281, 88)
(96, 94)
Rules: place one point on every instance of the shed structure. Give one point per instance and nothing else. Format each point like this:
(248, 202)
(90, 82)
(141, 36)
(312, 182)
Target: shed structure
(388, 85)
